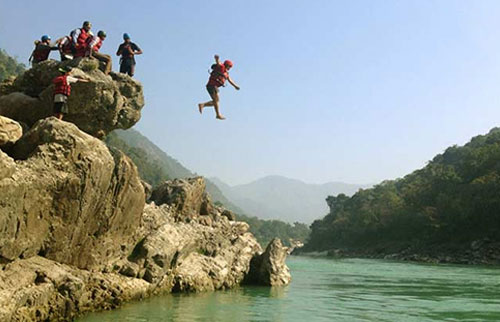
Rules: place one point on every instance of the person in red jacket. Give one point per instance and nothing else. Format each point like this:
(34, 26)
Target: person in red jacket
(79, 39)
(218, 78)
(94, 43)
(62, 90)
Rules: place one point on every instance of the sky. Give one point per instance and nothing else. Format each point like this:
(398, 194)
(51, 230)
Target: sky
(352, 91)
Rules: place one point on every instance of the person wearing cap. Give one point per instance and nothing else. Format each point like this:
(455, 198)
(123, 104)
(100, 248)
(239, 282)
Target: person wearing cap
(218, 77)
(94, 43)
(79, 39)
(128, 50)
(42, 50)
(62, 90)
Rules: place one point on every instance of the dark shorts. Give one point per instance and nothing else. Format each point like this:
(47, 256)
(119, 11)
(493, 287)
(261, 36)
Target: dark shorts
(60, 107)
(212, 90)
(127, 66)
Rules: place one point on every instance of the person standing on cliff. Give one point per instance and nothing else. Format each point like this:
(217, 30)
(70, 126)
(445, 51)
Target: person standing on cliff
(62, 90)
(218, 77)
(128, 50)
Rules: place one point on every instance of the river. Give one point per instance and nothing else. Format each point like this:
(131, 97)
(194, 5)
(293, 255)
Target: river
(337, 290)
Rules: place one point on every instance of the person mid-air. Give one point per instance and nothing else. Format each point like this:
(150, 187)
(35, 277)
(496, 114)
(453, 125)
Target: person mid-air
(218, 78)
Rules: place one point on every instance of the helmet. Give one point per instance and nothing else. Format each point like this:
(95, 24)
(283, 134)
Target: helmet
(45, 37)
(228, 63)
(101, 33)
(126, 36)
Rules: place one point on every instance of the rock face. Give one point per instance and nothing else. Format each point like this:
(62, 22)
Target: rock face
(105, 103)
(10, 130)
(68, 199)
(76, 233)
(269, 268)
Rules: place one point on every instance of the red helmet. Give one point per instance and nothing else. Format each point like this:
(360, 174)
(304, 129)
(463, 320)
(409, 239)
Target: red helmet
(228, 63)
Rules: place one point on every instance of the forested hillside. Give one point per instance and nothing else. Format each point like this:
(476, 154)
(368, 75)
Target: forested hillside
(9, 66)
(455, 199)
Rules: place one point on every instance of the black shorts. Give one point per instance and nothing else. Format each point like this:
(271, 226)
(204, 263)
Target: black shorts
(60, 108)
(127, 66)
(212, 90)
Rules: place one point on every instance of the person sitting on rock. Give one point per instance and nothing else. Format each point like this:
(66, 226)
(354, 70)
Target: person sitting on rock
(128, 50)
(42, 50)
(62, 90)
(79, 39)
(65, 48)
(94, 43)
(218, 78)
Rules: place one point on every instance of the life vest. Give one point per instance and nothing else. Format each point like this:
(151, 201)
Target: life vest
(40, 54)
(66, 46)
(81, 43)
(97, 46)
(61, 85)
(218, 76)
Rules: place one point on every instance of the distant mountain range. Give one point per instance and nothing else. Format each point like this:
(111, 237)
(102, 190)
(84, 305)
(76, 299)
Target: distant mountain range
(277, 197)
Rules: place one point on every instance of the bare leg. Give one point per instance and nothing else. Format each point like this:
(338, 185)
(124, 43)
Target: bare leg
(215, 102)
(59, 116)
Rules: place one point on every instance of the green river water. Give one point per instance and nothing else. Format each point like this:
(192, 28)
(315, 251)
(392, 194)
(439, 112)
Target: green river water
(337, 290)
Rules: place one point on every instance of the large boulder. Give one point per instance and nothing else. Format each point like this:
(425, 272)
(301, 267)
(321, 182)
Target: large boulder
(68, 199)
(10, 130)
(270, 268)
(105, 103)
(187, 196)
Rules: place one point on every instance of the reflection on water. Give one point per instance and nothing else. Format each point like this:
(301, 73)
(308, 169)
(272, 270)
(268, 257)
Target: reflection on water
(338, 290)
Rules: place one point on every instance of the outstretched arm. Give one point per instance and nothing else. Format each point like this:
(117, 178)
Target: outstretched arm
(233, 83)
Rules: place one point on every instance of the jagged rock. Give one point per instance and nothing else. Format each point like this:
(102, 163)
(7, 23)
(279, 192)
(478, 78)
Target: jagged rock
(38, 289)
(10, 130)
(7, 166)
(195, 257)
(148, 189)
(106, 103)
(69, 200)
(186, 196)
(270, 268)
(228, 214)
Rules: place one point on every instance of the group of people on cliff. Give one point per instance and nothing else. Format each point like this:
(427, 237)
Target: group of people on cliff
(81, 42)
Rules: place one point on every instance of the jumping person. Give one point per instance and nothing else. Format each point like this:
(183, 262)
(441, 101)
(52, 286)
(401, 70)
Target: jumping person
(42, 50)
(218, 78)
(79, 39)
(128, 50)
(94, 43)
(62, 90)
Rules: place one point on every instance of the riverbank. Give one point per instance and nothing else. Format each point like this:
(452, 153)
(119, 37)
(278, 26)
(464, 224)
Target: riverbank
(479, 252)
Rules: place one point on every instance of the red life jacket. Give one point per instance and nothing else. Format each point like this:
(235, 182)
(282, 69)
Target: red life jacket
(97, 46)
(61, 85)
(81, 43)
(66, 47)
(218, 76)
(40, 54)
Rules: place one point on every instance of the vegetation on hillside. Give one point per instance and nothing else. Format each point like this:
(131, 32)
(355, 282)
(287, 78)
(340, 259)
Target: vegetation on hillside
(149, 169)
(454, 199)
(266, 230)
(9, 66)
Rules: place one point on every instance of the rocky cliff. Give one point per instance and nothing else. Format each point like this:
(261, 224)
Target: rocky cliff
(78, 231)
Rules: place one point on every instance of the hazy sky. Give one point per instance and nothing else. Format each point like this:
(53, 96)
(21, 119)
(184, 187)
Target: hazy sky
(356, 91)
